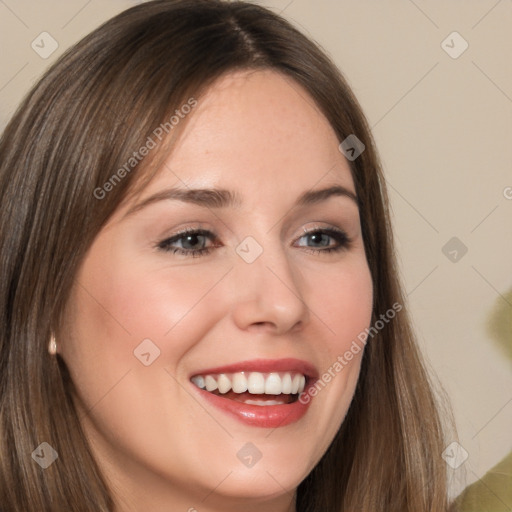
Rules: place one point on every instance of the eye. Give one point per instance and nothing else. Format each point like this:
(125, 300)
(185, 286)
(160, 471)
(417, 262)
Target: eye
(192, 243)
(322, 238)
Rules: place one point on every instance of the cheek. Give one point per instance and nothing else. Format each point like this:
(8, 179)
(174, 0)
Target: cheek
(343, 303)
(127, 300)
(118, 303)
(343, 300)
(121, 302)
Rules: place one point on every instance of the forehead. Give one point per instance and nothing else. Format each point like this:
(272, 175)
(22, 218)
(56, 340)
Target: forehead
(258, 133)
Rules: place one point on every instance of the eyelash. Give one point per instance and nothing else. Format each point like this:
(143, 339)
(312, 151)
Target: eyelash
(344, 242)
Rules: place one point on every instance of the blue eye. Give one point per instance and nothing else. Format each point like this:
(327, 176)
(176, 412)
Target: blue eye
(193, 242)
(321, 238)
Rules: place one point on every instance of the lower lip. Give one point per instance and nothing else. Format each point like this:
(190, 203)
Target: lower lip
(266, 416)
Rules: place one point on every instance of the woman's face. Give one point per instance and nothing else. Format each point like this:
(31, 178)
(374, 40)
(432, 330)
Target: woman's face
(272, 297)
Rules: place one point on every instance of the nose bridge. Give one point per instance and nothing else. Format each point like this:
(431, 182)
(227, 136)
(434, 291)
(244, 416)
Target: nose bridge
(268, 290)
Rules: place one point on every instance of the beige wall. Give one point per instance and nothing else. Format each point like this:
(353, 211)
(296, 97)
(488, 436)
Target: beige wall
(443, 127)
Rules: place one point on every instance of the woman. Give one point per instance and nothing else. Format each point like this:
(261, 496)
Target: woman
(199, 289)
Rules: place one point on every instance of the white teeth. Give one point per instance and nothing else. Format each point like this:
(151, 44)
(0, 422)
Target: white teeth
(198, 380)
(224, 383)
(239, 381)
(273, 384)
(210, 383)
(298, 384)
(295, 384)
(302, 384)
(263, 402)
(286, 383)
(255, 383)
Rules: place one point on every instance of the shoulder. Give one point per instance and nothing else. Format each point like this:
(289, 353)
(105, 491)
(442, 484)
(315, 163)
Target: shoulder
(491, 493)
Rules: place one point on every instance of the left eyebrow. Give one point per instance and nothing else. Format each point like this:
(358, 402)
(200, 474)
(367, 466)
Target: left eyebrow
(222, 198)
(316, 196)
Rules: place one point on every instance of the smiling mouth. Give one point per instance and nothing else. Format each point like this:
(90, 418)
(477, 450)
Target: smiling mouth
(254, 388)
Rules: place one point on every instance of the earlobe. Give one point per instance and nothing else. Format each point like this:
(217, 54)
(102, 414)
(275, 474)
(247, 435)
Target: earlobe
(52, 346)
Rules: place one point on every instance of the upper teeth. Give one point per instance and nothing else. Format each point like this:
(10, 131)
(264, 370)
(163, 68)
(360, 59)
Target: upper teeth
(253, 382)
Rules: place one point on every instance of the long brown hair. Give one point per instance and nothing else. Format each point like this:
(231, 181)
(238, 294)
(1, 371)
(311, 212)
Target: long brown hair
(76, 128)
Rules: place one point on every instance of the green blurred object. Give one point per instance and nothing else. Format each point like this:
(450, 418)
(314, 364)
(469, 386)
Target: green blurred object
(499, 324)
(491, 493)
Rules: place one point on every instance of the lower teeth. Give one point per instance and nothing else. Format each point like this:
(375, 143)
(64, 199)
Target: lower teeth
(264, 402)
(257, 399)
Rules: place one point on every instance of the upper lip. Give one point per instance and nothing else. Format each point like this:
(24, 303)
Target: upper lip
(264, 366)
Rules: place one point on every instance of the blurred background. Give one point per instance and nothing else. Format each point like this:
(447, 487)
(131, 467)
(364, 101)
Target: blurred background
(435, 81)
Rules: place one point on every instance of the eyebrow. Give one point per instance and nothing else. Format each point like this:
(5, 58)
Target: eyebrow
(223, 198)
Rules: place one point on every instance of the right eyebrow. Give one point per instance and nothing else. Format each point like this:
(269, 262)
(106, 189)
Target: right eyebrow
(209, 198)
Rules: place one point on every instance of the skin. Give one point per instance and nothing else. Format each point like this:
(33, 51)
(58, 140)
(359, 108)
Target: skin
(260, 135)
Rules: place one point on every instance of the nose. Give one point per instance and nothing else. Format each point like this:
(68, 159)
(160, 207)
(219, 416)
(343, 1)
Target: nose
(268, 293)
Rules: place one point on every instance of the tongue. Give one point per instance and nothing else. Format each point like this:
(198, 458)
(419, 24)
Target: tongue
(242, 397)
